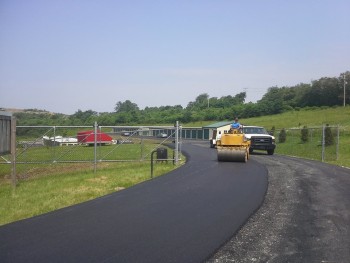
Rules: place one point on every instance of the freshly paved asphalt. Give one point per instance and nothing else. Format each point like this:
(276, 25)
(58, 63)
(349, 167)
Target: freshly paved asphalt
(305, 216)
(184, 216)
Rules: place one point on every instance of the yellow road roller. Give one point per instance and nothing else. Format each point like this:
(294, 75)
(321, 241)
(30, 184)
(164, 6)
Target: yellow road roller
(233, 146)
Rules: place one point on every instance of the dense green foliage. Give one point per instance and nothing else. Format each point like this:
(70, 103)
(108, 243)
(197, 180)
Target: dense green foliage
(325, 92)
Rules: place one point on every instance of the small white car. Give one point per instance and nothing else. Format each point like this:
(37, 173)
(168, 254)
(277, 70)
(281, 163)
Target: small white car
(162, 135)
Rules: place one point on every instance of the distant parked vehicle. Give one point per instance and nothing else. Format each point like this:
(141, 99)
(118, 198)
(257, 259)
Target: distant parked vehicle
(126, 133)
(162, 135)
(125, 141)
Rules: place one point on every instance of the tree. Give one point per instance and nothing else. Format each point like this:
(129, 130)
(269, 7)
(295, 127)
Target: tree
(248, 110)
(126, 106)
(106, 119)
(301, 93)
(272, 101)
(325, 92)
(186, 117)
(240, 98)
(201, 102)
(83, 117)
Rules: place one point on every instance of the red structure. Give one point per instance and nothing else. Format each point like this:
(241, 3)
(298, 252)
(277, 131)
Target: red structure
(88, 137)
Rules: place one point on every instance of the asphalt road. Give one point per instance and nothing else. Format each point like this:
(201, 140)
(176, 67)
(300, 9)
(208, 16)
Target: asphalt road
(305, 216)
(183, 216)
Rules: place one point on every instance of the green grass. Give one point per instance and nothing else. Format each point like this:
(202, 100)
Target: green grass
(47, 186)
(300, 118)
(64, 185)
(297, 118)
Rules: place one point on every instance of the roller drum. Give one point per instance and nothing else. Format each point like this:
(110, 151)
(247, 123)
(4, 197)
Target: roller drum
(232, 155)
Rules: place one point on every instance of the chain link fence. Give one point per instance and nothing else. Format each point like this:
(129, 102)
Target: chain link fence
(325, 143)
(80, 147)
(52, 147)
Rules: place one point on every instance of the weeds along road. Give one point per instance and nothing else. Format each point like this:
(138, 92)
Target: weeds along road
(183, 216)
(305, 216)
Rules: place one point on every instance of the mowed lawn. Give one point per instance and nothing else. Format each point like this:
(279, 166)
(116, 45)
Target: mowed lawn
(54, 186)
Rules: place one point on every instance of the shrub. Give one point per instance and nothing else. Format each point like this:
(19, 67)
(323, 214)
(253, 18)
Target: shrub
(329, 138)
(282, 137)
(304, 134)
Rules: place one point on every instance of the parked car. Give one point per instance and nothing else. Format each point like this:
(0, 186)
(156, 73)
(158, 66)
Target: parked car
(162, 135)
(126, 133)
(124, 141)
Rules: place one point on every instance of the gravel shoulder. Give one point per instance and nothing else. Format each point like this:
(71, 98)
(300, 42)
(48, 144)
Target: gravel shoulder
(305, 216)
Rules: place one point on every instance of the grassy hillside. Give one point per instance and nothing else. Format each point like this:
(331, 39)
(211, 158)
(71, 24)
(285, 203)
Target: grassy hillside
(304, 117)
(338, 154)
(312, 118)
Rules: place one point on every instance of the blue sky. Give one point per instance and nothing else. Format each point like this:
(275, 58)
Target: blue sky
(70, 55)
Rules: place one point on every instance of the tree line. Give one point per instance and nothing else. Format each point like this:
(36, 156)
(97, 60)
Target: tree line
(324, 92)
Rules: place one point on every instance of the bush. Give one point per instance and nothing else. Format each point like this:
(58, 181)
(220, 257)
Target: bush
(304, 134)
(329, 138)
(282, 137)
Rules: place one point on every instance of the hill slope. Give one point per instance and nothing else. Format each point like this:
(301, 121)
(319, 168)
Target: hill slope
(309, 117)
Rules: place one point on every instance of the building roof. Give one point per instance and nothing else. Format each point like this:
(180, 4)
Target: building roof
(5, 113)
(218, 124)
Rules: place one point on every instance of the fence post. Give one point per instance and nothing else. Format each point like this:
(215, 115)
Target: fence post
(337, 148)
(53, 146)
(152, 163)
(142, 148)
(323, 141)
(177, 143)
(13, 151)
(95, 146)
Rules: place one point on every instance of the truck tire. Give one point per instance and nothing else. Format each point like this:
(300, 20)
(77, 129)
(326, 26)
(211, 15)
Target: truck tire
(270, 152)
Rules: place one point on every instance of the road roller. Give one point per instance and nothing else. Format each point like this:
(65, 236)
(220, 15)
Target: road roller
(233, 146)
